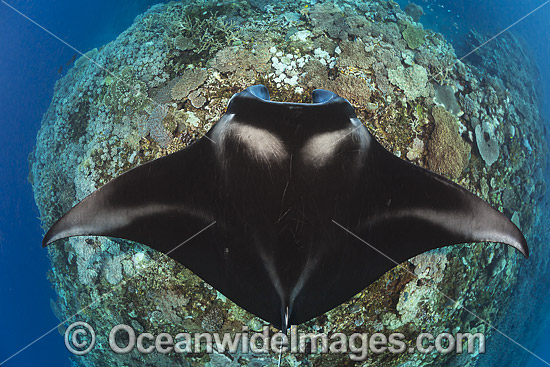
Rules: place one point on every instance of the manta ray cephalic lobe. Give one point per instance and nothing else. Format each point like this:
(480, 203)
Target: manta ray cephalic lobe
(275, 178)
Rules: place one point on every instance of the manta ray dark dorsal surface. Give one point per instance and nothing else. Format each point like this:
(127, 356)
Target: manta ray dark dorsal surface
(274, 178)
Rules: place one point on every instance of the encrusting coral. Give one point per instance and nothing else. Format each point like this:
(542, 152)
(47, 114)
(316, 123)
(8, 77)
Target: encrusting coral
(445, 95)
(155, 124)
(447, 151)
(190, 80)
(413, 80)
(414, 36)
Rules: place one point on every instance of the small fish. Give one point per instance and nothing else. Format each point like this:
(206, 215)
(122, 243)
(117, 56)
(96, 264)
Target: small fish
(71, 60)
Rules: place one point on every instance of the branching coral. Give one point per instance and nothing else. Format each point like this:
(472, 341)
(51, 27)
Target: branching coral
(416, 151)
(208, 34)
(212, 320)
(356, 89)
(183, 43)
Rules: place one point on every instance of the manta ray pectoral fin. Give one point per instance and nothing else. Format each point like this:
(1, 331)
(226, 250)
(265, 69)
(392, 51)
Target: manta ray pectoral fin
(144, 204)
(418, 210)
(274, 177)
(393, 212)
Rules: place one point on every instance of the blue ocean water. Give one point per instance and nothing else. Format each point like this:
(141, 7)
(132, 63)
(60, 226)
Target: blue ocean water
(31, 60)
(531, 20)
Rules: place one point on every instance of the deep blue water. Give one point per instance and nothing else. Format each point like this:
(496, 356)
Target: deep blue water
(454, 19)
(29, 63)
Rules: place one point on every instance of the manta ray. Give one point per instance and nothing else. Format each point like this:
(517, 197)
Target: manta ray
(288, 209)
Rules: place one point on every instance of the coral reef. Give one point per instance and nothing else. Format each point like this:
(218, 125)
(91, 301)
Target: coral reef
(413, 80)
(445, 95)
(416, 150)
(447, 152)
(414, 36)
(415, 11)
(163, 83)
(487, 143)
(190, 81)
(155, 125)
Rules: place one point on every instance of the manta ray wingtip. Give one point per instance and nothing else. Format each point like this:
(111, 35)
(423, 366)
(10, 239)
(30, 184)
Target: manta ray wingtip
(522, 247)
(53, 234)
(511, 235)
(45, 242)
(525, 252)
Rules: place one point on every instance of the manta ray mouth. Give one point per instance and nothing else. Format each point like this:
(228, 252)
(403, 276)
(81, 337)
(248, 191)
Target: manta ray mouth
(318, 96)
